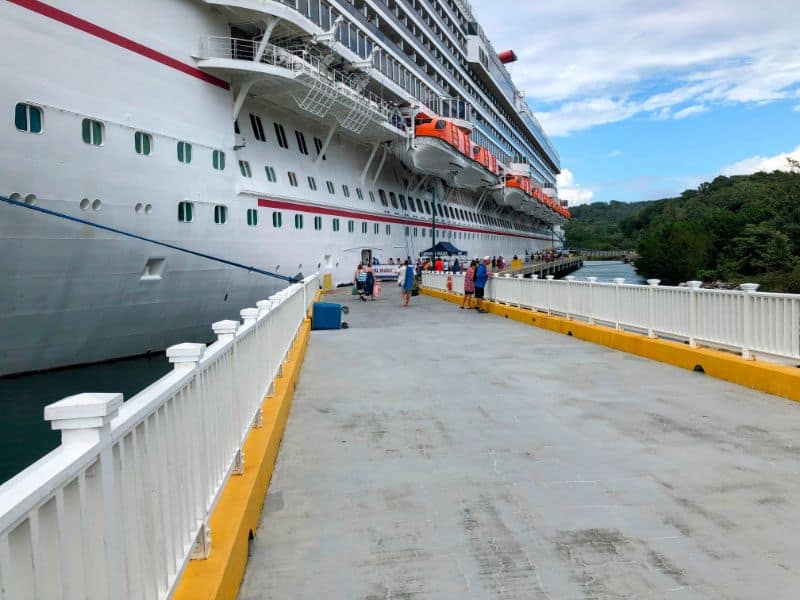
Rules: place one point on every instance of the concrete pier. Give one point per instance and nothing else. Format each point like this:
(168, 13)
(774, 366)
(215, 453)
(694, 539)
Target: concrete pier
(434, 452)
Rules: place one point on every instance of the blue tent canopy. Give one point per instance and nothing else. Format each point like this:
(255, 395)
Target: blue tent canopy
(443, 248)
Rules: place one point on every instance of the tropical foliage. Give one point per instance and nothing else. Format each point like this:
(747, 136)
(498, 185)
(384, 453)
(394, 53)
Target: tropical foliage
(733, 229)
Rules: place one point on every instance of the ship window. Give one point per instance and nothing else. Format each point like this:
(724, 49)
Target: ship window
(184, 152)
(351, 226)
(389, 230)
(452, 212)
(281, 135)
(244, 167)
(440, 125)
(185, 212)
(403, 202)
(423, 232)
(318, 223)
(252, 217)
(359, 193)
(270, 174)
(393, 199)
(419, 205)
(277, 219)
(364, 227)
(292, 178)
(371, 196)
(331, 187)
(312, 183)
(301, 141)
(218, 160)
(318, 146)
(335, 224)
(427, 207)
(325, 16)
(92, 132)
(258, 128)
(298, 221)
(143, 142)
(236, 127)
(376, 229)
(220, 214)
(346, 191)
(28, 118)
(382, 196)
(415, 231)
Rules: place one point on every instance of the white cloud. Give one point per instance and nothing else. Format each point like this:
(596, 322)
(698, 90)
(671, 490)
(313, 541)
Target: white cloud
(591, 63)
(690, 111)
(768, 164)
(615, 153)
(571, 191)
(796, 108)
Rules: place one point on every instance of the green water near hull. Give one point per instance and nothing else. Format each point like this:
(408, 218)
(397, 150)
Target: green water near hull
(24, 434)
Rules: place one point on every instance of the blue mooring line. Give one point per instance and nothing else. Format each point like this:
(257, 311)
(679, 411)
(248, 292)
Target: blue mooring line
(55, 213)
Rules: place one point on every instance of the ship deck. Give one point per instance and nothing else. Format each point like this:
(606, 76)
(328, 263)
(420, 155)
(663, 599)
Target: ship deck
(434, 452)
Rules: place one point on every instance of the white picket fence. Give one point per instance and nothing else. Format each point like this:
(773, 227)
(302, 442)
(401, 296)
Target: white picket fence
(745, 321)
(119, 508)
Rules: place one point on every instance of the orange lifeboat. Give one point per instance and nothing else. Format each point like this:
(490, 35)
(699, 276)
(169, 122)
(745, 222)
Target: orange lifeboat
(440, 147)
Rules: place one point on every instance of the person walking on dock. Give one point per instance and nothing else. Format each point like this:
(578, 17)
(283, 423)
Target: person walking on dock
(469, 285)
(408, 282)
(401, 272)
(481, 277)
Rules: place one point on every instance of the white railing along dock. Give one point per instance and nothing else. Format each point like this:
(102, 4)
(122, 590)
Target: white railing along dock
(745, 321)
(118, 509)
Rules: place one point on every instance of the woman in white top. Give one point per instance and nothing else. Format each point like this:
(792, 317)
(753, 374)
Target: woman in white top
(401, 275)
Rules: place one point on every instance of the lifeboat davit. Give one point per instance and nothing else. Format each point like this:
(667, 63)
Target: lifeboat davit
(440, 148)
(481, 171)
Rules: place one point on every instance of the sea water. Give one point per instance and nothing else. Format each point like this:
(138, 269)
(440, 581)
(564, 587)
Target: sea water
(607, 270)
(24, 434)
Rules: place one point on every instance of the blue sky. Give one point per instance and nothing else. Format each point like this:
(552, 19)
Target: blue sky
(645, 98)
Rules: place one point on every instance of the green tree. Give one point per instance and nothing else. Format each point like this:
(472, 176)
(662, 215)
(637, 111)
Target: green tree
(674, 252)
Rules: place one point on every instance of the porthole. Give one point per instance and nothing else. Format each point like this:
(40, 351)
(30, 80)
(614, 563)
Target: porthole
(148, 208)
(97, 205)
(16, 196)
(85, 204)
(30, 199)
(138, 208)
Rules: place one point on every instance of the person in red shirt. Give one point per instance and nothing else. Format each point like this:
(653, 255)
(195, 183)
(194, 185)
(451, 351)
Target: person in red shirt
(438, 265)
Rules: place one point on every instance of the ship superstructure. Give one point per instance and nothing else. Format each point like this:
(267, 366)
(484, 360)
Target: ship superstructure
(292, 136)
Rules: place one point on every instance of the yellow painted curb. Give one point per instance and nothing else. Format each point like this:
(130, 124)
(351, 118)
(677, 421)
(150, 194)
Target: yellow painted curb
(235, 518)
(767, 377)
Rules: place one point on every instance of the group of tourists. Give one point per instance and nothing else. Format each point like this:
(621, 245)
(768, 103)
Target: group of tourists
(475, 279)
(408, 275)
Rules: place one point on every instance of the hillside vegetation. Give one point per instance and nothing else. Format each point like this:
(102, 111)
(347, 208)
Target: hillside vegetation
(733, 229)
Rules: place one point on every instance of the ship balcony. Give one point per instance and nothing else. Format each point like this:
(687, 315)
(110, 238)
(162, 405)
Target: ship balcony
(298, 76)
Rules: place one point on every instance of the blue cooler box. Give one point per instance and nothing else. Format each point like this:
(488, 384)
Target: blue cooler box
(326, 315)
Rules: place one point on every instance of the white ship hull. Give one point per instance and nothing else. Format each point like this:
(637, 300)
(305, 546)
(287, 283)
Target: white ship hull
(74, 294)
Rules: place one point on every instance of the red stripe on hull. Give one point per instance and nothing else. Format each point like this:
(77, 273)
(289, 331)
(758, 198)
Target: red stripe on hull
(118, 40)
(337, 212)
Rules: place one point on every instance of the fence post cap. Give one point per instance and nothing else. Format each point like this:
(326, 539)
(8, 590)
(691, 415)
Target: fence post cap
(550, 277)
(695, 285)
(591, 279)
(225, 327)
(264, 305)
(248, 314)
(619, 280)
(749, 287)
(186, 354)
(653, 282)
(519, 276)
(81, 407)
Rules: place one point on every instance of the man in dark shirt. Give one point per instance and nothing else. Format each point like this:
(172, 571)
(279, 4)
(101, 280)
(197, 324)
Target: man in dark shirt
(481, 277)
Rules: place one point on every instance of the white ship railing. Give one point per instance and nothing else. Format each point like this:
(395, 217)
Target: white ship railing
(300, 60)
(744, 321)
(119, 508)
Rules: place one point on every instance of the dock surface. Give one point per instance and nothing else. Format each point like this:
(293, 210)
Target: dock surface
(434, 452)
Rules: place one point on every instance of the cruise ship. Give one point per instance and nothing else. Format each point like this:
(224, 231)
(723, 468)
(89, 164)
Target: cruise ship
(291, 137)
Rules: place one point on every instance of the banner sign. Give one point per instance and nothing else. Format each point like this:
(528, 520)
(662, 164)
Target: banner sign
(385, 271)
